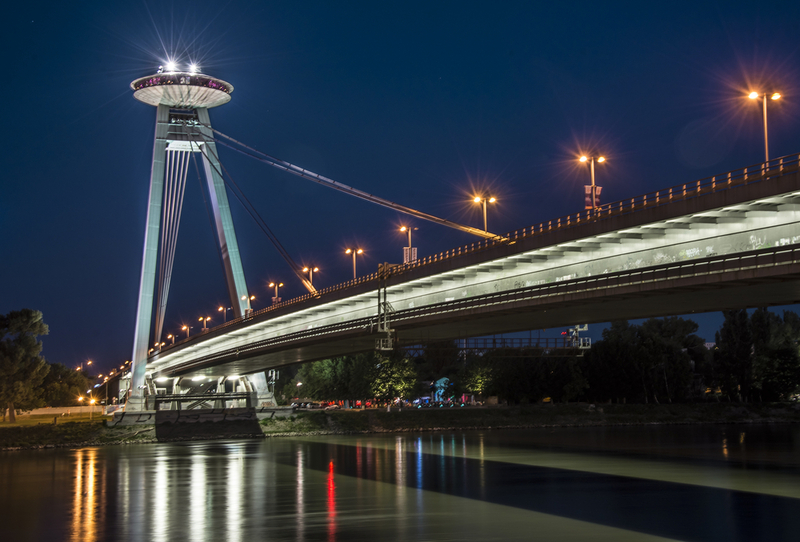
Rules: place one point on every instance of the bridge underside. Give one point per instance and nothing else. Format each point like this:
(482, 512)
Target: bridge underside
(759, 278)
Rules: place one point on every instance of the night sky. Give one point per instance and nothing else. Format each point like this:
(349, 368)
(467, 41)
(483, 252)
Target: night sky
(419, 102)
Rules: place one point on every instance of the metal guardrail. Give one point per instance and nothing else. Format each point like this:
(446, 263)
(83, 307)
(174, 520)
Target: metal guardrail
(763, 258)
(153, 401)
(483, 344)
(682, 192)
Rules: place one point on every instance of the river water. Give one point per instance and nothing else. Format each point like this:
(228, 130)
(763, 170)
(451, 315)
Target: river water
(737, 482)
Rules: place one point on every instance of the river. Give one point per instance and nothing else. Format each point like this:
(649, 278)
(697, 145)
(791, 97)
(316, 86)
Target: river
(701, 482)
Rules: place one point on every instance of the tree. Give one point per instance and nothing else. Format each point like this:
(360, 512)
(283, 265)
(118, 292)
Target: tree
(62, 386)
(394, 376)
(733, 363)
(22, 368)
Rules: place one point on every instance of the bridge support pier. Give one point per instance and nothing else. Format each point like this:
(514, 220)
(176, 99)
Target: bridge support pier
(178, 134)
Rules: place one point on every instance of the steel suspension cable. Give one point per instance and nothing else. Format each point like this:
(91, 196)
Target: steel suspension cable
(325, 181)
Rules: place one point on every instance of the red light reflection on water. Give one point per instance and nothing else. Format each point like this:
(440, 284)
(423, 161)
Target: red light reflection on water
(331, 504)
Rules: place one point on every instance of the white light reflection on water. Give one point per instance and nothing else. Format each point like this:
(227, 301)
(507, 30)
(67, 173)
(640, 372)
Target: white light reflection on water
(400, 484)
(300, 499)
(197, 497)
(235, 489)
(159, 503)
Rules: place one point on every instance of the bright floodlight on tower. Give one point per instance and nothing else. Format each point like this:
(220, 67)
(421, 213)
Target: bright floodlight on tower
(193, 68)
(170, 66)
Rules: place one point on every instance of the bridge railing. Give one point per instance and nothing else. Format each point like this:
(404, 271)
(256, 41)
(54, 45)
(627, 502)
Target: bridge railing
(682, 192)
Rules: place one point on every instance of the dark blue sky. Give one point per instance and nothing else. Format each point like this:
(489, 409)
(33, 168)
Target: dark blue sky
(419, 102)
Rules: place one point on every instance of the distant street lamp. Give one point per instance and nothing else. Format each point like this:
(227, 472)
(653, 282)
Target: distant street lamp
(171, 336)
(482, 200)
(354, 251)
(186, 329)
(310, 271)
(276, 285)
(764, 95)
(205, 320)
(224, 312)
(593, 194)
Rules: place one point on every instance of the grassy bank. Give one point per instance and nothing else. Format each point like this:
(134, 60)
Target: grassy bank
(70, 434)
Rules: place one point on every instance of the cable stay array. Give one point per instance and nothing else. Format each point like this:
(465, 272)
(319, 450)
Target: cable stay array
(330, 183)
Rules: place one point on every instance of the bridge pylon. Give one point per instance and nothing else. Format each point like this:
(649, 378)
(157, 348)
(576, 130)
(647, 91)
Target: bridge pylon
(183, 128)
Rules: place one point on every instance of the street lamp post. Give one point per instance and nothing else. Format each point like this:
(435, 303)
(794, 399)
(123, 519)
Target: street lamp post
(410, 253)
(224, 312)
(483, 201)
(249, 309)
(186, 329)
(773, 96)
(591, 160)
(310, 271)
(276, 285)
(171, 336)
(205, 320)
(354, 251)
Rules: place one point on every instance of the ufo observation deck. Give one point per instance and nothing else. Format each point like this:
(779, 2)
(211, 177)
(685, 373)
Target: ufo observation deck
(182, 90)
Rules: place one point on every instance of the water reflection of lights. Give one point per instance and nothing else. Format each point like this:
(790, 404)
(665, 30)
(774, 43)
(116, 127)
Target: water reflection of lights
(482, 467)
(159, 503)
(331, 504)
(197, 498)
(400, 485)
(88, 508)
(235, 489)
(300, 501)
(419, 464)
(725, 448)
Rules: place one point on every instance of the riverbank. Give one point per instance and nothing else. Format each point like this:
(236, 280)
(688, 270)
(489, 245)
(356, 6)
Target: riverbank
(95, 433)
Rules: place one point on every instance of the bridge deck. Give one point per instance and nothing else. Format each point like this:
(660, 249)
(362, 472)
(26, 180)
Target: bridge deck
(686, 249)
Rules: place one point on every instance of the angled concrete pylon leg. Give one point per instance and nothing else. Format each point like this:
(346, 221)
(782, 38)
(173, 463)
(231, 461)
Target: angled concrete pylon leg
(144, 309)
(229, 248)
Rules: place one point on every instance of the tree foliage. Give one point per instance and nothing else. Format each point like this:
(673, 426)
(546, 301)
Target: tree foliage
(361, 376)
(22, 368)
(757, 357)
(62, 386)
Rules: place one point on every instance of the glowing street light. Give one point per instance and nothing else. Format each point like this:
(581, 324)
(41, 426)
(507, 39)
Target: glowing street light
(591, 160)
(772, 96)
(354, 251)
(205, 320)
(170, 336)
(224, 312)
(248, 299)
(186, 329)
(410, 253)
(482, 200)
(276, 285)
(310, 271)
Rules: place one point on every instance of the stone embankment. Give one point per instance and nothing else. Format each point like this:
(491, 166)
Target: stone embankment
(97, 433)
